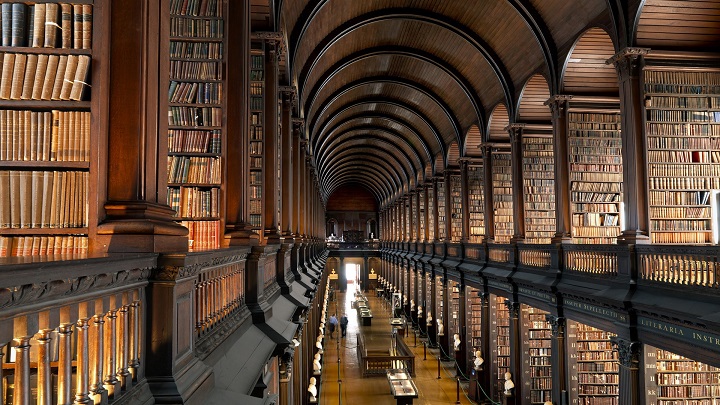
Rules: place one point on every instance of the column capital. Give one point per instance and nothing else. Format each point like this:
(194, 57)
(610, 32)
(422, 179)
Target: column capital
(513, 307)
(628, 351)
(557, 324)
(289, 95)
(628, 62)
(558, 104)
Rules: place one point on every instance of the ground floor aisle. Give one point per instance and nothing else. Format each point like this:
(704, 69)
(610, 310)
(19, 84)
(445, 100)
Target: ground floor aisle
(341, 376)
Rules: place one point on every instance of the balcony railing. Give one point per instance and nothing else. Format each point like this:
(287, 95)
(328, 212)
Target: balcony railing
(686, 265)
(367, 245)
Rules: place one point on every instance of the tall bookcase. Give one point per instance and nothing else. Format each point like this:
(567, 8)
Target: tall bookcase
(539, 187)
(595, 176)
(671, 379)
(593, 366)
(500, 343)
(683, 153)
(476, 196)
(421, 216)
(428, 296)
(256, 135)
(454, 311)
(196, 119)
(456, 208)
(431, 214)
(49, 128)
(439, 302)
(536, 341)
(473, 315)
(441, 200)
(407, 211)
(502, 195)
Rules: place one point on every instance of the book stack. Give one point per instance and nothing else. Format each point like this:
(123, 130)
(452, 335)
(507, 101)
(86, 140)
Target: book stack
(47, 25)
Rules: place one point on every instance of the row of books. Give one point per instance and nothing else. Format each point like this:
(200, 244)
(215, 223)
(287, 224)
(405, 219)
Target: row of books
(595, 197)
(681, 225)
(195, 93)
(62, 136)
(17, 246)
(665, 170)
(596, 176)
(674, 143)
(193, 202)
(679, 197)
(194, 170)
(197, 28)
(605, 187)
(195, 116)
(680, 212)
(196, 70)
(43, 199)
(48, 25)
(203, 235)
(682, 183)
(681, 129)
(681, 237)
(43, 77)
(693, 102)
(194, 141)
(683, 115)
(196, 50)
(201, 8)
(595, 219)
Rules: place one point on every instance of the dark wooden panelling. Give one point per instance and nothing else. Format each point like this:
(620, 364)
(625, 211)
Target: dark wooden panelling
(534, 95)
(499, 120)
(586, 70)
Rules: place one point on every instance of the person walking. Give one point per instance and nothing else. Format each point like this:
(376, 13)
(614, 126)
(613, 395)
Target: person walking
(343, 325)
(333, 324)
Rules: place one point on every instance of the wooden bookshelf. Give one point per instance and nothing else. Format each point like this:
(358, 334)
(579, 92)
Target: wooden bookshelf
(502, 196)
(683, 153)
(421, 215)
(431, 214)
(500, 343)
(407, 211)
(428, 296)
(456, 208)
(441, 200)
(539, 188)
(453, 313)
(196, 119)
(48, 128)
(671, 379)
(256, 135)
(439, 303)
(476, 210)
(593, 366)
(473, 315)
(536, 341)
(595, 176)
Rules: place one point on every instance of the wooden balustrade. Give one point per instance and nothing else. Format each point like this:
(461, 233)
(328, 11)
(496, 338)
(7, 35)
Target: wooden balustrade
(588, 259)
(71, 332)
(377, 362)
(499, 253)
(219, 292)
(535, 256)
(696, 266)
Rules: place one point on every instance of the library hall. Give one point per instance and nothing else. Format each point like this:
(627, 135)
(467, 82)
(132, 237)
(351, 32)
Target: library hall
(366, 202)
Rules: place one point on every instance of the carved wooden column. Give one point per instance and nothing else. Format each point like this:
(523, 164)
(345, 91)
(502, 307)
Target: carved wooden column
(411, 214)
(488, 201)
(418, 195)
(286, 184)
(515, 352)
(238, 229)
(462, 355)
(436, 222)
(448, 204)
(559, 107)
(557, 359)
(298, 161)
(137, 217)
(273, 41)
(426, 213)
(485, 374)
(465, 196)
(516, 170)
(629, 370)
(629, 64)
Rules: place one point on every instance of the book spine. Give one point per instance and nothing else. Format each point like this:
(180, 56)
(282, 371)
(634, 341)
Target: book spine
(19, 25)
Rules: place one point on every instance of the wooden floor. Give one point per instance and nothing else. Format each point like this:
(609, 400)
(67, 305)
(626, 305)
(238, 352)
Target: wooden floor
(341, 380)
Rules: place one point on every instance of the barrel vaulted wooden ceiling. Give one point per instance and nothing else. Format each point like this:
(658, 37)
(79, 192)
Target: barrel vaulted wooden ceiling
(394, 91)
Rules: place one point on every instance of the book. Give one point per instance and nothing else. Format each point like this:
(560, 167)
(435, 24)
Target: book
(29, 79)
(39, 80)
(18, 75)
(25, 198)
(7, 75)
(36, 203)
(80, 77)
(77, 26)
(66, 24)
(19, 24)
(87, 26)
(49, 81)
(69, 77)
(59, 77)
(38, 30)
(47, 188)
(51, 25)
(6, 15)
(5, 245)
(5, 199)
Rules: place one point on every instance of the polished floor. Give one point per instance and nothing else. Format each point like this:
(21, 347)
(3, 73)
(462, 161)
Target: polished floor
(341, 378)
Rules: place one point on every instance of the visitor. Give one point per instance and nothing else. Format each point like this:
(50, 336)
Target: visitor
(343, 325)
(333, 324)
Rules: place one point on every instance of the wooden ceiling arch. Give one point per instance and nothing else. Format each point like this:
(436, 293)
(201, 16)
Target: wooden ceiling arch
(397, 124)
(398, 105)
(378, 189)
(385, 160)
(465, 86)
(376, 134)
(355, 169)
(373, 141)
(408, 88)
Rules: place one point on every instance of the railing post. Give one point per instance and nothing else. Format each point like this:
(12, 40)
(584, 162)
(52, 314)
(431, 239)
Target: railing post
(65, 364)
(111, 381)
(22, 371)
(44, 382)
(123, 348)
(97, 358)
(82, 395)
(135, 339)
